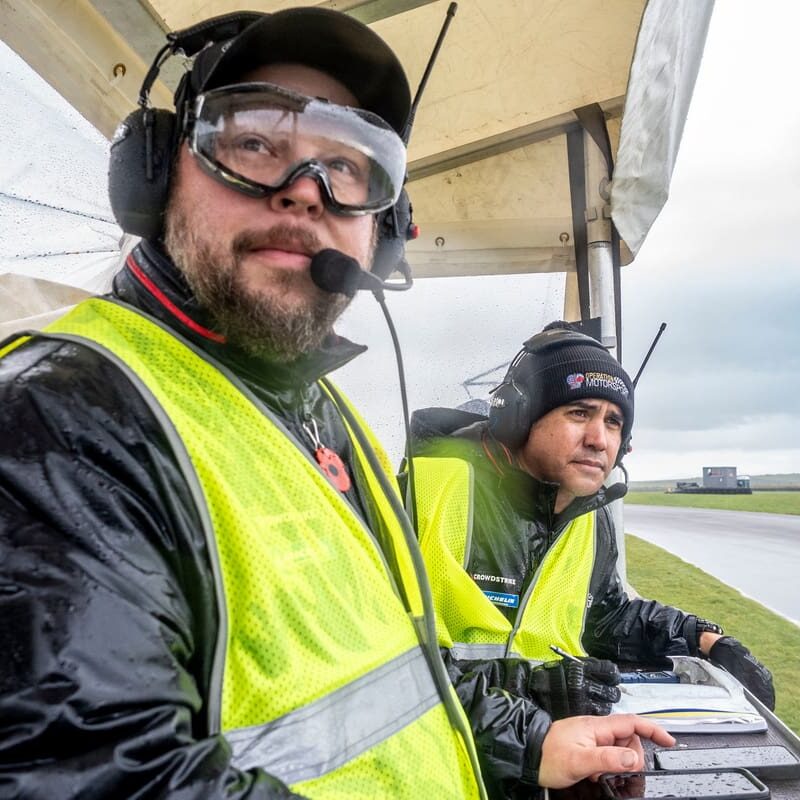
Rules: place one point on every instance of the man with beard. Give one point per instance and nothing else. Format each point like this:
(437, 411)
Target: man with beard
(208, 587)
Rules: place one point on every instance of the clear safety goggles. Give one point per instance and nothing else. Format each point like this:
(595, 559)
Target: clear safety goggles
(259, 138)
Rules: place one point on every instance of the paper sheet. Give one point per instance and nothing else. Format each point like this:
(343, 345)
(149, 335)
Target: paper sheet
(707, 700)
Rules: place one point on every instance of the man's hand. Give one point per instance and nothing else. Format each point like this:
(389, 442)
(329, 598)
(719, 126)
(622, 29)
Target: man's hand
(731, 654)
(570, 688)
(586, 747)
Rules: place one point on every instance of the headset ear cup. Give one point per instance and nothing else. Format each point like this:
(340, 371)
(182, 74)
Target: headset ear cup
(139, 171)
(624, 449)
(509, 415)
(394, 230)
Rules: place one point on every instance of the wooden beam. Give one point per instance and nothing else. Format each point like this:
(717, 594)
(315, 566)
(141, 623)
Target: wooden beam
(502, 143)
(494, 261)
(144, 30)
(75, 49)
(369, 11)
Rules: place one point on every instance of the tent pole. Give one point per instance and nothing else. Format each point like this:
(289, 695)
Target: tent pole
(601, 282)
(598, 241)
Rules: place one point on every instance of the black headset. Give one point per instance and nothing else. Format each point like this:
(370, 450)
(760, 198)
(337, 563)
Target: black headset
(395, 228)
(511, 406)
(146, 143)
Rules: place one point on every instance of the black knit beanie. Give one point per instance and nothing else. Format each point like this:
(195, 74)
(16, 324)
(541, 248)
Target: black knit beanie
(561, 365)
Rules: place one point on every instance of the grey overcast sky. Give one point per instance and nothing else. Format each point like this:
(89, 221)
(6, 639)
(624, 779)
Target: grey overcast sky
(719, 266)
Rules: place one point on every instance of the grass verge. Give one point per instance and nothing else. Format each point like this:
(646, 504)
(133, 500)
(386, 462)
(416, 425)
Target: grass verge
(775, 641)
(768, 502)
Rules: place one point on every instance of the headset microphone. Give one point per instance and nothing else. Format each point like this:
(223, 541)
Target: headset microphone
(333, 271)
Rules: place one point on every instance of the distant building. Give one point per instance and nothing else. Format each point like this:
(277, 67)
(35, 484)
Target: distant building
(719, 477)
(716, 480)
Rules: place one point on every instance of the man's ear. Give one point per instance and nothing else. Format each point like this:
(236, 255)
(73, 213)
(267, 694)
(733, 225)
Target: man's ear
(624, 449)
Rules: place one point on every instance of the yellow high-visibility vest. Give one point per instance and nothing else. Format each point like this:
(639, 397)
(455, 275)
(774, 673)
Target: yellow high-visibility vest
(553, 608)
(319, 675)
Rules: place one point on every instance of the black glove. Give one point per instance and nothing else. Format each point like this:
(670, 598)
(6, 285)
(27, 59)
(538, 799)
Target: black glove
(733, 656)
(568, 688)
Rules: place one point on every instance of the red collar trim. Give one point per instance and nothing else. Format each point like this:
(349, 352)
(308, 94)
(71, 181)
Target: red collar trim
(169, 305)
(511, 459)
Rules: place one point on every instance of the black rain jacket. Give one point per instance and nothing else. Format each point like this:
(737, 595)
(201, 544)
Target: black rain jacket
(107, 611)
(513, 527)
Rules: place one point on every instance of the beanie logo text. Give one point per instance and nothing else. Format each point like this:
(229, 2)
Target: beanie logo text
(597, 380)
(575, 381)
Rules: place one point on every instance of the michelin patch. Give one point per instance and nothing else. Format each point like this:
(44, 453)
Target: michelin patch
(498, 588)
(503, 599)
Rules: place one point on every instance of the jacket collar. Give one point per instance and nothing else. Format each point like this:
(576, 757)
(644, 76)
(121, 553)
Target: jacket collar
(150, 281)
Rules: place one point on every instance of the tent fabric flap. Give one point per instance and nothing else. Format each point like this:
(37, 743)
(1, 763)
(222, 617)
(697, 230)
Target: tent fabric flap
(666, 61)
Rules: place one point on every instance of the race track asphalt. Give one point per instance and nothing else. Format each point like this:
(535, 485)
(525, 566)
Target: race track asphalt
(758, 554)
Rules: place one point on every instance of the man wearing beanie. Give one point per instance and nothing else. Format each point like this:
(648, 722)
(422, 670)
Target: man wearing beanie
(513, 519)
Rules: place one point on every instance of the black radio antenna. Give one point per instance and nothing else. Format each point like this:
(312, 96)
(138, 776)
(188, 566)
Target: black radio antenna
(409, 454)
(451, 12)
(661, 329)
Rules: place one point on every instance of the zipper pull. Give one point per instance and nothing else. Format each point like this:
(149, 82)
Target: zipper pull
(329, 461)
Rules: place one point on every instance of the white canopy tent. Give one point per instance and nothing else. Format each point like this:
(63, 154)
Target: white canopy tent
(521, 89)
(530, 105)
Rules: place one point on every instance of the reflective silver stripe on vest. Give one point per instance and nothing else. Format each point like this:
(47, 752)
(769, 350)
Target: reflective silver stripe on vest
(466, 651)
(321, 736)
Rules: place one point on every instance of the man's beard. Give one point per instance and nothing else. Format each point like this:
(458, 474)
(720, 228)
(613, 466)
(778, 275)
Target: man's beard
(261, 324)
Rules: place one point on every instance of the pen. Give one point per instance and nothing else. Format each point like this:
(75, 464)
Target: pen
(558, 651)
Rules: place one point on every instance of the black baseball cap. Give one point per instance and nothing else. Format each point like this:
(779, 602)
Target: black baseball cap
(327, 40)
